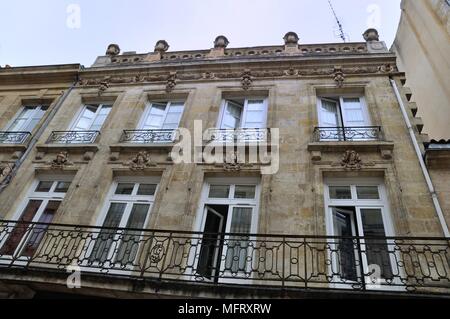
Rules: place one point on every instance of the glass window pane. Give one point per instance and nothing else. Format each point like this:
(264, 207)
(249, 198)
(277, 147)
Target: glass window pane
(340, 192)
(367, 192)
(158, 109)
(129, 244)
(62, 187)
(105, 238)
(343, 227)
(105, 110)
(98, 123)
(245, 191)
(14, 239)
(44, 187)
(255, 105)
(172, 118)
(124, 189)
(237, 248)
(31, 125)
(377, 250)
(83, 124)
(219, 191)
(147, 189)
(38, 232)
(232, 116)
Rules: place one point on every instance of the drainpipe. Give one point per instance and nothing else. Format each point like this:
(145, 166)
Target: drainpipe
(431, 188)
(36, 137)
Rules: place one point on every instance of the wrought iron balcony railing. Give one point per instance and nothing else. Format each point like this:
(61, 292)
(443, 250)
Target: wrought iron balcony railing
(148, 136)
(400, 264)
(73, 137)
(368, 133)
(14, 137)
(241, 135)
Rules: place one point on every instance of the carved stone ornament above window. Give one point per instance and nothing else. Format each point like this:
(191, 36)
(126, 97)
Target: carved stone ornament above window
(61, 160)
(246, 79)
(171, 81)
(141, 161)
(351, 160)
(339, 77)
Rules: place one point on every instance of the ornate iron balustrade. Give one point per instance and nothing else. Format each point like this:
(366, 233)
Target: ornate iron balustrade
(148, 136)
(400, 264)
(240, 135)
(14, 137)
(73, 137)
(368, 133)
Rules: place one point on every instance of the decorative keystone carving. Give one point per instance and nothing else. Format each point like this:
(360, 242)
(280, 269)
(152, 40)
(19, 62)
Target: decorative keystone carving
(171, 81)
(351, 160)
(291, 38)
(5, 170)
(114, 156)
(141, 161)
(61, 160)
(338, 76)
(221, 42)
(87, 156)
(113, 50)
(231, 163)
(103, 86)
(161, 46)
(386, 68)
(246, 79)
(316, 155)
(386, 154)
(371, 35)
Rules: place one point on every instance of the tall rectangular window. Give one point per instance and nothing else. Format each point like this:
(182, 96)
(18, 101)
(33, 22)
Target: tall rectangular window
(43, 202)
(162, 116)
(243, 113)
(27, 118)
(92, 117)
(128, 207)
(343, 112)
(359, 208)
(228, 207)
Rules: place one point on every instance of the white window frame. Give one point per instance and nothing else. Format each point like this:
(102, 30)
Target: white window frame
(359, 204)
(149, 106)
(244, 111)
(231, 202)
(27, 122)
(80, 113)
(45, 197)
(129, 200)
(339, 99)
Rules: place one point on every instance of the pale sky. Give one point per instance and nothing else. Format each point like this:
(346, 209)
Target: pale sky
(52, 32)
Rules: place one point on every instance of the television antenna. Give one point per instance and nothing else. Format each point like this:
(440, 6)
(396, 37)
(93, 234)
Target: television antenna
(341, 32)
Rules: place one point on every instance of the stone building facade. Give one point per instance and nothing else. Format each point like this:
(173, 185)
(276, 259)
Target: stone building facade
(422, 46)
(319, 185)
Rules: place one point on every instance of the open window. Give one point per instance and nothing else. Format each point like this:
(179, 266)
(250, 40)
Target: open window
(27, 118)
(357, 214)
(243, 114)
(345, 118)
(92, 117)
(228, 216)
(38, 210)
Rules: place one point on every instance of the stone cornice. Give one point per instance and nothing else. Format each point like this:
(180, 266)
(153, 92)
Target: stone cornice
(65, 73)
(244, 70)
